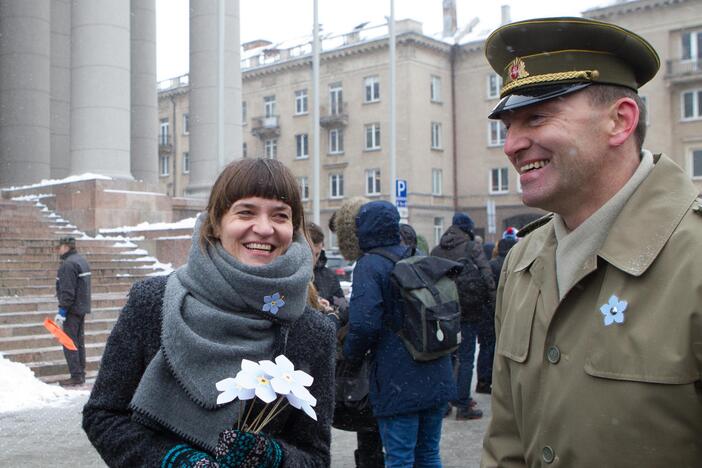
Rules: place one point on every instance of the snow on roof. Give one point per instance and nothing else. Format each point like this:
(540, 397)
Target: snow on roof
(20, 389)
(72, 178)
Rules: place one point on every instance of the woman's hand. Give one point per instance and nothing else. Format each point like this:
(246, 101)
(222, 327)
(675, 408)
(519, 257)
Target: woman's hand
(326, 307)
(238, 449)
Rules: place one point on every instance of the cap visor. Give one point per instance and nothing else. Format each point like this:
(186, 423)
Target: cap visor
(533, 95)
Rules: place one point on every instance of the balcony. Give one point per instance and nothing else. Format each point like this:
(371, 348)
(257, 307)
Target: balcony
(334, 118)
(164, 144)
(683, 71)
(265, 127)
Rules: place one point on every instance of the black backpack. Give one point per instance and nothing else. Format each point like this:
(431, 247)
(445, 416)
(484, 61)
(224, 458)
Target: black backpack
(473, 291)
(431, 321)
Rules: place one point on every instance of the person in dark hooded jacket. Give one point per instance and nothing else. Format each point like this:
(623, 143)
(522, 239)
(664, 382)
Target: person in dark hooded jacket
(458, 242)
(408, 397)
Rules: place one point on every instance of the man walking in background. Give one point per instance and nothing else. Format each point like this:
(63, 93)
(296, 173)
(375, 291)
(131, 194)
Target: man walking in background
(476, 289)
(73, 293)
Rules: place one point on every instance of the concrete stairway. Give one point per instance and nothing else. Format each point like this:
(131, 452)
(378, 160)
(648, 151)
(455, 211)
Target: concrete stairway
(28, 264)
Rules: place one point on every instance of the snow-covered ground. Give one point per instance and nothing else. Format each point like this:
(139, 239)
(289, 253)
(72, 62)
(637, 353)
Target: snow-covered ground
(21, 390)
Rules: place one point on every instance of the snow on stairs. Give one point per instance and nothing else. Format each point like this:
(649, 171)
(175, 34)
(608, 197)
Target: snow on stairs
(28, 264)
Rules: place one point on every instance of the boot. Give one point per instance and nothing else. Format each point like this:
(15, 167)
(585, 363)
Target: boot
(483, 387)
(464, 414)
(72, 382)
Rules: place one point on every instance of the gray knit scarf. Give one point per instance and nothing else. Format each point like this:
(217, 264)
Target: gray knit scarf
(212, 319)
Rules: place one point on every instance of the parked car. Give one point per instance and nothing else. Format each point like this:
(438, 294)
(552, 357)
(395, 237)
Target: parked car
(341, 267)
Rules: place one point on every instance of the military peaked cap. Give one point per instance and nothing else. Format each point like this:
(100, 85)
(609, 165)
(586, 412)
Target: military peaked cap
(544, 58)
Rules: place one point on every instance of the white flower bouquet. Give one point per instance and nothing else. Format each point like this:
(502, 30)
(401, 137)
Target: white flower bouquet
(277, 384)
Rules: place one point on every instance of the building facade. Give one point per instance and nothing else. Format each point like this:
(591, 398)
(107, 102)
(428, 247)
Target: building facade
(449, 153)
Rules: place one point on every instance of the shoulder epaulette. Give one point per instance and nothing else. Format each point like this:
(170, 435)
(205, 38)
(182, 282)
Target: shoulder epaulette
(534, 225)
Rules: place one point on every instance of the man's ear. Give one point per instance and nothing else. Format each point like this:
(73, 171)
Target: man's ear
(625, 117)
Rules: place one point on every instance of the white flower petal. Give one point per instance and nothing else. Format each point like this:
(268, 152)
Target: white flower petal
(303, 378)
(281, 386)
(226, 397)
(226, 384)
(247, 393)
(294, 401)
(265, 393)
(269, 368)
(309, 411)
(247, 380)
(249, 366)
(303, 394)
(284, 363)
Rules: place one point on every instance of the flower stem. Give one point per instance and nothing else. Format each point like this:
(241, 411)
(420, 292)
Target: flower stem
(258, 418)
(248, 413)
(275, 411)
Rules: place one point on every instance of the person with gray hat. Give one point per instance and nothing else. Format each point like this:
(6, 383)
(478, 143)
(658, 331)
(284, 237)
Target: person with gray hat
(598, 360)
(73, 293)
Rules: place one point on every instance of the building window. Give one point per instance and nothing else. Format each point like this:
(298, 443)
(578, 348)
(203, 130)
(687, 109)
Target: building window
(332, 241)
(301, 102)
(304, 188)
(499, 181)
(336, 98)
(336, 141)
(186, 124)
(373, 136)
(244, 150)
(435, 89)
(692, 45)
(373, 182)
(692, 104)
(372, 89)
(336, 185)
(269, 106)
(497, 133)
(696, 163)
(163, 133)
(437, 182)
(438, 229)
(494, 83)
(435, 135)
(164, 164)
(186, 162)
(243, 112)
(302, 146)
(271, 148)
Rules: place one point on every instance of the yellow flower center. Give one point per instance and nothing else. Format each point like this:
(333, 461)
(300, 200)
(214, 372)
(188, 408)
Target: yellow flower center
(262, 380)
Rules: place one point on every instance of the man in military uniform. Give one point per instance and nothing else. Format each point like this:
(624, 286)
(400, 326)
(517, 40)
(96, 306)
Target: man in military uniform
(598, 318)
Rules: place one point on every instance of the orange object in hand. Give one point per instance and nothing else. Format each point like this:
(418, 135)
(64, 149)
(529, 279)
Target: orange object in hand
(60, 335)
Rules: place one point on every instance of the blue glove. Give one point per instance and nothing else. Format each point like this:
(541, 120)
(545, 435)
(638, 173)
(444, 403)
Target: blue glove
(60, 317)
(246, 449)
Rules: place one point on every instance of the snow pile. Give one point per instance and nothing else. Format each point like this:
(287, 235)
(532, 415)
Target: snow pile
(187, 223)
(20, 389)
(73, 178)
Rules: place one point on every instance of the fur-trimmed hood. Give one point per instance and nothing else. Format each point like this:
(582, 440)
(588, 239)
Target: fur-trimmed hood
(345, 223)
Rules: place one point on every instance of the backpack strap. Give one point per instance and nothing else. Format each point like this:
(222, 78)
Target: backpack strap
(383, 252)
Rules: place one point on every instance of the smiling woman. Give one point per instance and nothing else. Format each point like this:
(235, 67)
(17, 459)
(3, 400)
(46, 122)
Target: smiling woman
(241, 296)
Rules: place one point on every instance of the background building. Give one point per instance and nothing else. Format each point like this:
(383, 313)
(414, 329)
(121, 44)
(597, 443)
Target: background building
(449, 153)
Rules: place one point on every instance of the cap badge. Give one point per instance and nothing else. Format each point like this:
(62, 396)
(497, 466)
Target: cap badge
(517, 69)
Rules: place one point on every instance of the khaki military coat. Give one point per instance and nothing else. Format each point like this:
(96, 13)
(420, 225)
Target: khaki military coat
(570, 390)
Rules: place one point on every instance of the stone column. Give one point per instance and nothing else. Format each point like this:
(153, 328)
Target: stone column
(100, 81)
(60, 88)
(144, 118)
(24, 91)
(215, 91)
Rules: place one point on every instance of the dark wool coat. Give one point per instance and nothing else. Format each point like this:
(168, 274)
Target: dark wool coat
(73, 283)
(326, 282)
(135, 339)
(398, 383)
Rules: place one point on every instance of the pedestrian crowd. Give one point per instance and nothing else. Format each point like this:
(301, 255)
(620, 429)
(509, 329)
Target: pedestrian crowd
(586, 322)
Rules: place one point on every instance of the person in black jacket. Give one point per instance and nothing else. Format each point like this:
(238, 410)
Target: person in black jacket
(73, 293)
(242, 296)
(326, 282)
(474, 293)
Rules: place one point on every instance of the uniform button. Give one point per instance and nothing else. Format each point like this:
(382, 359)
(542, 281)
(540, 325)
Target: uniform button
(547, 454)
(553, 354)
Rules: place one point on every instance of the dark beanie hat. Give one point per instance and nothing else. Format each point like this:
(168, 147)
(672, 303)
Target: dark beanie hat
(464, 222)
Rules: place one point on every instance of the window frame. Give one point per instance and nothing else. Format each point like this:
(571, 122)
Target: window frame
(437, 182)
(501, 131)
(269, 106)
(302, 146)
(691, 153)
(695, 50)
(339, 132)
(373, 177)
(336, 98)
(186, 123)
(374, 129)
(436, 140)
(270, 145)
(435, 89)
(503, 185)
(304, 186)
(696, 104)
(164, 165)
(371, 89)
(438, 229)
(494, 84)
(185, 162)
(336, 185)
(163, 137)
(301, 102)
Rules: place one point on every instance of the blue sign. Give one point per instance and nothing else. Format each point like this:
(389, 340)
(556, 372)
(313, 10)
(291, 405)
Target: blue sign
(400, 203)
(401, 190)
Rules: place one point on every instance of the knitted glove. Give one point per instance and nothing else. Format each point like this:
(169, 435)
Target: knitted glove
(184, 456)
(238, 449)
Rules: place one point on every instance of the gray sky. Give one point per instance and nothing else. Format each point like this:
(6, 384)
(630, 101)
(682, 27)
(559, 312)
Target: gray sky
(283, 20)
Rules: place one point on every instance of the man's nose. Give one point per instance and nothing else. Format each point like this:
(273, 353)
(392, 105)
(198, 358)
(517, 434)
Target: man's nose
(515, 141)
